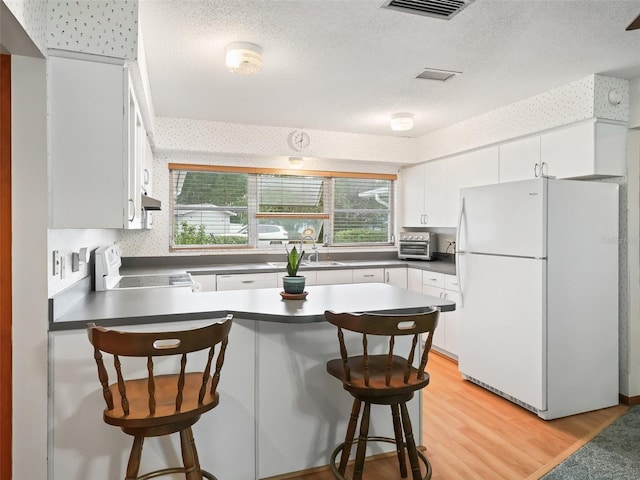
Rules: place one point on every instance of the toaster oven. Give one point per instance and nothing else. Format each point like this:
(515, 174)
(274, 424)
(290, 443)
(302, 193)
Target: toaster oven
(415, 246)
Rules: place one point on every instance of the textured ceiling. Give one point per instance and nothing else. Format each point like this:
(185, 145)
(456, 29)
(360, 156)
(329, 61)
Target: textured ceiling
(348, 65)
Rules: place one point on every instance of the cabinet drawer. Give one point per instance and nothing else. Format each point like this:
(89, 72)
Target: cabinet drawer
(247, 281)
(334, 277)
(433, 279)
(451, 283)
(368, 275)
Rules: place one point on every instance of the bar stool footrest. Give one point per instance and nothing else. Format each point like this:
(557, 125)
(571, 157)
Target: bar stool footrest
(339, 448)
(169, 471)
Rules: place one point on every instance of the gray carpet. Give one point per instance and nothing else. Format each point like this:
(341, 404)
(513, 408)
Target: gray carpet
(612, 455)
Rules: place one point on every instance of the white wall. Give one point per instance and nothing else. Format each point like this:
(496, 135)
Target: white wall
(29, 280)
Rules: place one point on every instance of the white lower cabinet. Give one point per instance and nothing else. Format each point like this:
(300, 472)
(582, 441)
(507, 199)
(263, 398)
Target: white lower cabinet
(207, 282)
(334, 277)
(446, 336)
(368, 275)
(396, 277)
(246, 281)
(82, 446)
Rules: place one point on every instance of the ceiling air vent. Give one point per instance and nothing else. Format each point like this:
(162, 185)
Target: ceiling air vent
(444, 9)
(439, 75)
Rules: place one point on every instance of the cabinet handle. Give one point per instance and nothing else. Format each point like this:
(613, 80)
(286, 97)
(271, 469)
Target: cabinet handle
(543, 170)
(536, 170)
(248, 281)
(133, 216)
(368, 276)
(387, 277)
(426, 219)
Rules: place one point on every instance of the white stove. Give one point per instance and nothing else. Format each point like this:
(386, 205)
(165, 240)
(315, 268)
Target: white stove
(107, 274)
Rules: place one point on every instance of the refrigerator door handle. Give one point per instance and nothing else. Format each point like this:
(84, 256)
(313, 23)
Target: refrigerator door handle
(458, 249)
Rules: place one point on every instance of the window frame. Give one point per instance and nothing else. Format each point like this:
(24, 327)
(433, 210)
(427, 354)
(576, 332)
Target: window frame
(253, 216)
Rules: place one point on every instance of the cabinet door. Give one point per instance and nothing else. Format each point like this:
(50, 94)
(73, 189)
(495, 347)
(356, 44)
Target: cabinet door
(568, 152)
(471, 169)
(207, 282)
(414, 280)
(368, 275)
(334, 277)
(451, 325)
(588, 149)
(412, 194)
(396, 277)
(520, 159)
(86, 143)
(439, 335)
(136, 144)
(435, 198)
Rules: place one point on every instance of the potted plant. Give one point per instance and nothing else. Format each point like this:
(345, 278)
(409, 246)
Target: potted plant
(292, 282)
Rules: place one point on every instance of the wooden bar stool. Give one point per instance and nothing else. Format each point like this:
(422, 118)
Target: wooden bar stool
(383, 379)
(161, 404)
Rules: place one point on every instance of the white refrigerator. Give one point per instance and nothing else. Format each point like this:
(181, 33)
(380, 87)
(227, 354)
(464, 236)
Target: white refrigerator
(537, 264)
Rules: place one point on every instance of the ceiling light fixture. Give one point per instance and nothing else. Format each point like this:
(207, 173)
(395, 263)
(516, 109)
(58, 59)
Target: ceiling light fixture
(401, 122)
(243, 58)
(295, 162)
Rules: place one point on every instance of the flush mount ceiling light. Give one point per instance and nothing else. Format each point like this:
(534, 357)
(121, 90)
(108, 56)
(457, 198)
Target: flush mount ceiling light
(295, 162)
(243, 58)
(401, 122)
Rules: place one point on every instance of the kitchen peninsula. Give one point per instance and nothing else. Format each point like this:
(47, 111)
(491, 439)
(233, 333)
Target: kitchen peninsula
(279, 411)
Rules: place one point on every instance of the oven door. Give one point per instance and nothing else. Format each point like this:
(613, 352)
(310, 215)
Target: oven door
(418, 250)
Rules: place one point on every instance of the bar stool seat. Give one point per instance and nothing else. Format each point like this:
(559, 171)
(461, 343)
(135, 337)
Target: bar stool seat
(382, 379)
(161, 404)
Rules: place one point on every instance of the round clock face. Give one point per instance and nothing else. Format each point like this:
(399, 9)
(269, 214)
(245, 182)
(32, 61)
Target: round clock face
(299, 140)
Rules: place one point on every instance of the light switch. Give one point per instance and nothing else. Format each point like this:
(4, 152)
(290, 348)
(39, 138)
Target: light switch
(56, 263)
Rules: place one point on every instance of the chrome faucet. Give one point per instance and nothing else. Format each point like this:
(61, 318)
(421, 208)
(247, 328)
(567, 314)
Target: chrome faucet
(314, 247)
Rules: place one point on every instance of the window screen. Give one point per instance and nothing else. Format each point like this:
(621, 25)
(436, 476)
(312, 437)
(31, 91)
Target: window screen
(209, 208)
(362, 210)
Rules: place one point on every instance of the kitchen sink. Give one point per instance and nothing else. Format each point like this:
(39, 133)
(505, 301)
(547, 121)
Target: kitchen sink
(306, 263)
(322, 263)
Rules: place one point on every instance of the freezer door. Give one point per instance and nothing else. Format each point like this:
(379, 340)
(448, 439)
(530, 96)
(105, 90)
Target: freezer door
(504, 219)
(503, 325)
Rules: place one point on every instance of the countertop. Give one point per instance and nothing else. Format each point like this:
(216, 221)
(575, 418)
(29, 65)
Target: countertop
(139, 306)
(440, 266)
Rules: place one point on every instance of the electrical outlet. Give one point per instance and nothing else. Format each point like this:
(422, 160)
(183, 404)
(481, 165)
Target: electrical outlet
(63, 267)
(56, 263)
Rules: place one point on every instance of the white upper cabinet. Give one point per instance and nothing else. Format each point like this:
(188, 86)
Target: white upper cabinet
(584, 150)
(96, 145)
(412, 195)
(587, 149)
(479, 167)
(520, 159)
(424, 195)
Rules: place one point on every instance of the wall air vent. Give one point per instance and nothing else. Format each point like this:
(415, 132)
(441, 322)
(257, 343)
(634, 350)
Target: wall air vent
(444, 9)
(439, 75)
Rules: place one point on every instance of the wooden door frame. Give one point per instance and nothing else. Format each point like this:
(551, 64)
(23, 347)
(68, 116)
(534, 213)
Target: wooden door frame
(5, 271)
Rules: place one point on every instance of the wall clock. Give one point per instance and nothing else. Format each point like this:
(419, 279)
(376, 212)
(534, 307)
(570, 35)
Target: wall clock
(299, 140)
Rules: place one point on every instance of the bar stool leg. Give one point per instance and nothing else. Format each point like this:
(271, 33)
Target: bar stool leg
(134, 459)
(397, 428)
(189, 459)
(411, 444)
(351, 431)
(362, 442)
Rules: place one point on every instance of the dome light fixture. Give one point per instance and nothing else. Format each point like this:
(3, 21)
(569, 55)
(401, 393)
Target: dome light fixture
(243, 58)
(401, 122)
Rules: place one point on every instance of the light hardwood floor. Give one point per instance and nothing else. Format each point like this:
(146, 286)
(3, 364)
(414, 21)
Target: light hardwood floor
(472, 434)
